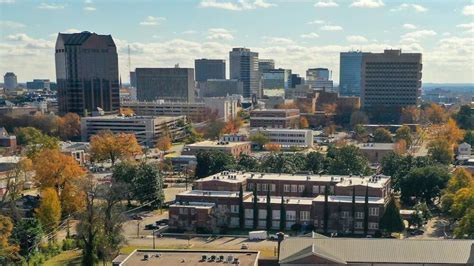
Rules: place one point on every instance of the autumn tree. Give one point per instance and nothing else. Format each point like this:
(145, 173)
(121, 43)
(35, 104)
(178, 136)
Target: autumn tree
(382, 135)
(400, 147)
(164, 143)
(8, 251)
(441, 151)
(69, 126)
(448, 131)
(35, 141)
(273, 147)
(49, 210)
(434, 113)
(404, 133)
(329, 130)
(126, 111)
(109, 146)
(410, 115)
(60, 172)
(304, 122)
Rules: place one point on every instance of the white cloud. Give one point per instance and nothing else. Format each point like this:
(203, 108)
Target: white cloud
(89, 8)
(419, 34)
(468, 10)
(409, 26)
(51, 6)
(7, 1)
(235, 6)
(316, 22)
(189, 32)
(367, 3)
(277, 40)
(219, 34)
(405, 6)
(466, 26)
(10, 24)
(311, 35)
(356, 39)
(152, 21)
(71, 30)
(326, 3)
(331, 28)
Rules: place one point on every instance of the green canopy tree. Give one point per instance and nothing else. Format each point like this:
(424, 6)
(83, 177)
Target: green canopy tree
(423, 184)
(391, 220)
(382, 135)
(440, 150)
(315, 162)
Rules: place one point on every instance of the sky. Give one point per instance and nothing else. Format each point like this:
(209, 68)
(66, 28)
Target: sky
(297, 34)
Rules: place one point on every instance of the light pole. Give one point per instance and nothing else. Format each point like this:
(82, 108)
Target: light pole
(138, 228)
(153, 238)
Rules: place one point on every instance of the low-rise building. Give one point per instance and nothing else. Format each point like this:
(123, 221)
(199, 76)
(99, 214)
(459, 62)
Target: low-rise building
(234, 148)
(287, 138)
(376, 151)
(274, 118)
(464, 152)
(147, 129)
(7, 141)
(77, 150)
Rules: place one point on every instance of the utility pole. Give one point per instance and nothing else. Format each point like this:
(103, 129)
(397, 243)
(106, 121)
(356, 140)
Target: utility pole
(138, 228)
(153, 238)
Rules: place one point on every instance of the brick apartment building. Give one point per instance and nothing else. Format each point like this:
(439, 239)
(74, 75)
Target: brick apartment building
(274, 118)
(303, 197)
(235, 149)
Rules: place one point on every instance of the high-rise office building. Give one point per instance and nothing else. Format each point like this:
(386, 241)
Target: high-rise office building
(38, 84)
(169, 84)
(350, 73)
(244, 67)
(133, 79)
(276, 79)
(265, 64)
(209, 69)
(9, 81)
(319, 78)
(390, 81)
(87, 73)
(296, 80)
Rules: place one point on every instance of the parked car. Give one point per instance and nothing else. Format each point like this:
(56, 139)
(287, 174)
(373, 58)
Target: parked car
(162, 222)
(151, 227)
(137, 217)
(417, 232)
(244, 246)
(275, 237)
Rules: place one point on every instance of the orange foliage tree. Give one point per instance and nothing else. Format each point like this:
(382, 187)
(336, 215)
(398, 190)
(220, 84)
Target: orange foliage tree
(69, 126)
(109, 146)
(126, 111)
(49, 210)
(434, 114)
(7, 250)
(273, 147)
(400, 147)
(164, 143)
(448, 131)
(304, 122)
(410, 115)
(232, 126)
(60, 172)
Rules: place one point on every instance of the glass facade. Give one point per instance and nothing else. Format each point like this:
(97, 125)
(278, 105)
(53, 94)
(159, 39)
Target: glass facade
(350, 73)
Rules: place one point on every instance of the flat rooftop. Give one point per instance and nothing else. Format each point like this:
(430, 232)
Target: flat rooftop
(195, 205)
(348, 199)
(376, 146)
(210, 143)
(287, 200)
(209, 193)
(189, 257)
(135, 117)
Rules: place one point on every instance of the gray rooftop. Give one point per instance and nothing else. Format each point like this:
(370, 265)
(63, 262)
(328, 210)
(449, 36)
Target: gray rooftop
(350, 250)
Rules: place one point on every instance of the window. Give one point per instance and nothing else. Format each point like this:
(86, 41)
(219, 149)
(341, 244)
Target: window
(294, 188)
(300, 188)
(304, 215)
(265, 187)
(250, 186)
(262, 214)
(316, 223)
(316, 189)
(344, 214)
(272, 187)
(234, 221)
(290, 215)
(374, 211)
(331, 190)
(234, 208)
(373, 226)
(183, 211)
(248, 223)
(358, 225)
(286, 188)
(276, 214)
(248, 213)
(193, 211)
(259, 186)
(359, 215)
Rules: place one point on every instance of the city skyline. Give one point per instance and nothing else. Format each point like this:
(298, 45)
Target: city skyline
(297, 35)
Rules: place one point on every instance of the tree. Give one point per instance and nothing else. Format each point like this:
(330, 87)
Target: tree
(164, 143)
(410, 115)
(404, 133)
(346, 160)
(241, 208)
(326, 209)
(8, 251)
(14, 182)
(126, 111)
(469, 137)
(192, 135)
(329, 108)
(448, 131)
(214, 129)
(304, 122)
(49, 210)
(69, 126)
(441, 151)
(366, 210)
(59, 171)
(382, 135)
(391, 221)
(282, 214)
(232, 126)
(109, 146)
(361, 133)
(27, 234)
(329, 130)
(359, 118)
(148, 185)
(35, 141)
(209, 163)
(248, 163)
(400, 147)
(269, 211)
(315, 162)
(423, 184)
(259, 138)
(434, 113)
(273, 147)
(255, 207)
(465, 229)
(465, 117)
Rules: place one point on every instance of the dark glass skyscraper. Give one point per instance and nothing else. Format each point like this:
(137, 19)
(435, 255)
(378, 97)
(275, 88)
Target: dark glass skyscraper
(87, 73)
(244, 67)
(209, 69)
(350, 73)
(169, 84)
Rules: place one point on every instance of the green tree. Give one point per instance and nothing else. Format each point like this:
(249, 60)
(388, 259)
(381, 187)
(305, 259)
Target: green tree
(283, 163)
(27, 234)
(148, 185)
(440, 150)
(241, 208)
(404, 133)
(423, 184)
(49, 210)
(248, 163)
(391, 220)
(35, 141)
(382, 135)
(397, 166)
(366, 210)
(315, 162)
(465, 117)
(259, 138)
(269, 211)
(361, 133)
(125, 172)
(282, 214)
(347, 160)
(469, 137)
(255, 207)
(209, 163)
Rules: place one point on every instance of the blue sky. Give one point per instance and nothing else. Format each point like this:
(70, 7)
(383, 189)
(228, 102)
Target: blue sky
(296, 34)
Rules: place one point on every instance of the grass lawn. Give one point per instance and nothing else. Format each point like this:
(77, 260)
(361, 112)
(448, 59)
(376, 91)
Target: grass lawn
(70, 257)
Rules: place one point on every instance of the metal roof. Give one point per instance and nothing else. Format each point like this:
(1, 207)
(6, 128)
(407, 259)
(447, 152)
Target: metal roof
(353, 250)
